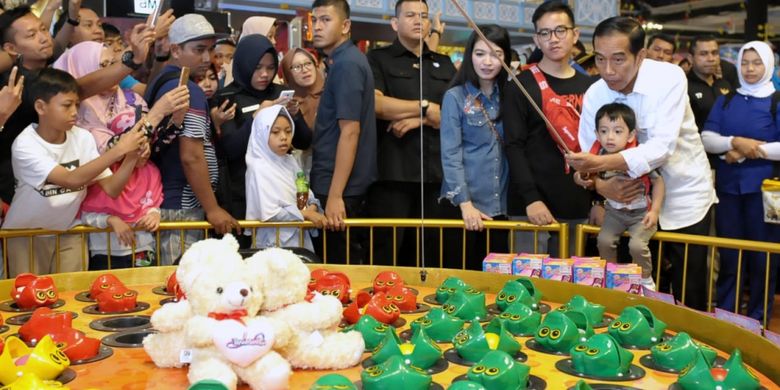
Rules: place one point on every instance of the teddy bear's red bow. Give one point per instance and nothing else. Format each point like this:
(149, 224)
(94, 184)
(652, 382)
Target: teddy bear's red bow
(233, 315)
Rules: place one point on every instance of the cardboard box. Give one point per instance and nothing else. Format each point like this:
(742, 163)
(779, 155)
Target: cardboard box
(498, 263)
(557, 269)
(526, 264)
(589, 271)
(624, 277)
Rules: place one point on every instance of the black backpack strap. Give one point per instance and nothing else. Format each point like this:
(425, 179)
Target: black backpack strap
(773, 105)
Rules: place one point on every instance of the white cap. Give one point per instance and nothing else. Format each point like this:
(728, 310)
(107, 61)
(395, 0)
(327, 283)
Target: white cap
(190, 27)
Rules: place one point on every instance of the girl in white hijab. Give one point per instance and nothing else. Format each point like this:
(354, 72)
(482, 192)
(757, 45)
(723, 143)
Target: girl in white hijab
(270, 181)
(744, 129)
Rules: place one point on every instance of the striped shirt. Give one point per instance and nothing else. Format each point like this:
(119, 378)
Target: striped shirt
(177, 192)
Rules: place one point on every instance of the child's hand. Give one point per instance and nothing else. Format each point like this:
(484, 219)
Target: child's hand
(122, 230)
(319, 220)
(651, 219)
(131, 141)
(149, 222)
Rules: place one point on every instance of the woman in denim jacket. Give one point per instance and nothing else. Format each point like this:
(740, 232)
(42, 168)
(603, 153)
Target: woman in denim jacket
(476, 172)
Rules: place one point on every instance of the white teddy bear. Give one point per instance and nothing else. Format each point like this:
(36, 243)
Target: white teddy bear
(165, 346)
(316, 342)
(227, 340)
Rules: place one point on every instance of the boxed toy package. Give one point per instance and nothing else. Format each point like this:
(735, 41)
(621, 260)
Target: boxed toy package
(526, 264)
(498, 263)
(557, 269)
(589, 271)
(624, 277)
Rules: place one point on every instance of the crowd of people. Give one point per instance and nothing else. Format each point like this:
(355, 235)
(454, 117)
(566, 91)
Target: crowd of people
(102, 129)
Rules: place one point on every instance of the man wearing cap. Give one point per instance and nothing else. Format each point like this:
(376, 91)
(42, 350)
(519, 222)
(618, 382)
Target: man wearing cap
(184, 151)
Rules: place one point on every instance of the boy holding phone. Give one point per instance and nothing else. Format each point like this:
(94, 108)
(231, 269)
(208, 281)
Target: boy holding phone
(54, 162)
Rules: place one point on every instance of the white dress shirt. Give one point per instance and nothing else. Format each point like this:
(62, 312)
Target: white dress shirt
(668, 140)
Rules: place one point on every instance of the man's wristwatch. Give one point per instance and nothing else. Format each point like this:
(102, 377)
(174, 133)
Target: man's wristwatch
(74, 22)
(435, 32)
(424, 104)
(127, 60)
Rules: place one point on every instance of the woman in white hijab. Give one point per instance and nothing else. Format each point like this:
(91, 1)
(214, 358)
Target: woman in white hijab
(271, 194)
(744, 128)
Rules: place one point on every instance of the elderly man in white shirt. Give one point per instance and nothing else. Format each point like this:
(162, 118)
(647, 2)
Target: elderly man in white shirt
(668, 141)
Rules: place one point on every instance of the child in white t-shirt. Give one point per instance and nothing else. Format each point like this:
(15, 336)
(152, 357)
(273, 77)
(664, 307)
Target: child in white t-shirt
(54, 162)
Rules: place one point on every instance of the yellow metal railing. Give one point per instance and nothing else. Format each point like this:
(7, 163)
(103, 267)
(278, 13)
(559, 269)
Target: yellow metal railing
(712, 243)
(370, 224)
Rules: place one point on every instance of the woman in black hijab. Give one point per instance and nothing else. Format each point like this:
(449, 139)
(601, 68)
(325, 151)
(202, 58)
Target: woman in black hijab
(255, 65)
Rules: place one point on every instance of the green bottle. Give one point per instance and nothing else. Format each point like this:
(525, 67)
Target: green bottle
(302, 190)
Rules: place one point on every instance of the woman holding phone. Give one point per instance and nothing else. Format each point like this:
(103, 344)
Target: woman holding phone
(255, 65)
(302, 74)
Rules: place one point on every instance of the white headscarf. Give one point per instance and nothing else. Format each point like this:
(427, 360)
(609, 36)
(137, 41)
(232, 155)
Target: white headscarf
(270, 178)
(257, 25)
(763, 87)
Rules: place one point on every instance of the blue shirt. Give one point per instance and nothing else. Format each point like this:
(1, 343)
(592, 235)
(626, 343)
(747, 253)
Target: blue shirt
(748, 117)
(348, 95)
(177, 192)
(472, 156)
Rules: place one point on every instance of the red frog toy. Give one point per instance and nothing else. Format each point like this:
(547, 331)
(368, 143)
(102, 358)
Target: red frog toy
(377, 306)
(103, 283)
(335, 284)
(315, 276)
(386, 280)
(172, 287)
(58, 325)
(32, 291)
(116, 300)
(403, 297)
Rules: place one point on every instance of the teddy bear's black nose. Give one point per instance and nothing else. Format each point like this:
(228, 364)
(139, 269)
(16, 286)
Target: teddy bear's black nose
(244, 292)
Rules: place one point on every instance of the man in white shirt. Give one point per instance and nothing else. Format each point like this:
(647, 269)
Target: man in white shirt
(668, 141)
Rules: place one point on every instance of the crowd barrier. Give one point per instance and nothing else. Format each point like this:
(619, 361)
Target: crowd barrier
(561, 229)
(712, 243)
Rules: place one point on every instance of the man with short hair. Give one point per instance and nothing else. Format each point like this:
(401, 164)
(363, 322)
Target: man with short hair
(396, 70)
(223, 53)
(186, 155)
(660, 47)
(668, 141)
(544, 191)
(88, 27)
(344, 159)
(704, 86)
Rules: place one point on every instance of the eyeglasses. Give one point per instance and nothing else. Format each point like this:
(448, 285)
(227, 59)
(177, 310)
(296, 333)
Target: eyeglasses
(560, 32)
(298, 68)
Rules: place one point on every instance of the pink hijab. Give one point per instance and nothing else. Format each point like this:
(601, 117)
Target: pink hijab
(96, 111)
(106, 115)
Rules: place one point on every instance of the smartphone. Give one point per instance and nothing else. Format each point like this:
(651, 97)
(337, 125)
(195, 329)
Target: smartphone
(156, 14)
(19, 60)
(224, 95)
(287, 95)
(184, 76)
